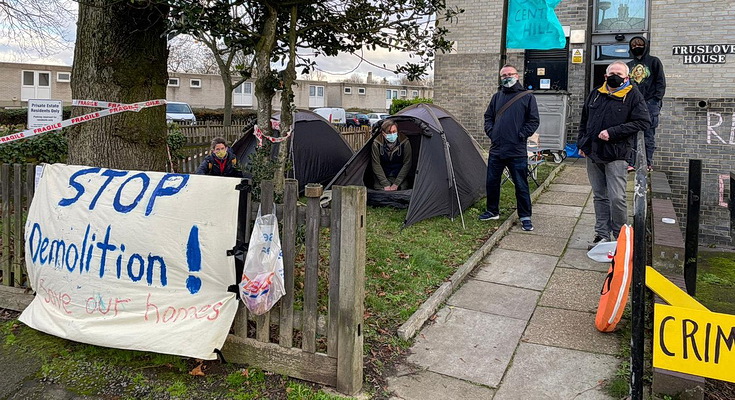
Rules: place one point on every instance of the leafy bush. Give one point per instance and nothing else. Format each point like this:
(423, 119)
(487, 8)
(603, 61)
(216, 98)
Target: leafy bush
(176, 141)
(400, 104)
(49, 147)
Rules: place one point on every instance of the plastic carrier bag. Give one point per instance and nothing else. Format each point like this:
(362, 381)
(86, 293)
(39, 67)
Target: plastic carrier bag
(262, 278)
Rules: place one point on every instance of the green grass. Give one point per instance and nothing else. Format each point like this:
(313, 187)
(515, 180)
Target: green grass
(403, 268)
(716, 280)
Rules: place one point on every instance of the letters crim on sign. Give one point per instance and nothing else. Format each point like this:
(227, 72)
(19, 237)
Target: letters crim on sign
(696, 342)
(131, 259)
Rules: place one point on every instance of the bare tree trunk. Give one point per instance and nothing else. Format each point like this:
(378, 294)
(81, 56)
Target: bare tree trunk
(120, 56)
(287, 105)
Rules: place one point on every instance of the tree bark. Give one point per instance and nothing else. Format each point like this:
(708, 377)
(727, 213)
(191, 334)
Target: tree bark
(120, 56)
(264, 88)
(287, 104)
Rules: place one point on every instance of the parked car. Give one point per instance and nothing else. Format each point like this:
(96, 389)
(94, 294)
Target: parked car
(179, 113)
(351, 120)
(334, 115)
(364, 120)
(377, 117)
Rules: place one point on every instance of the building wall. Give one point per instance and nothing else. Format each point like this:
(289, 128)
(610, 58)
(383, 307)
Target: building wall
(211, 92)
(697, 117)
(10, 83)
(696, 122)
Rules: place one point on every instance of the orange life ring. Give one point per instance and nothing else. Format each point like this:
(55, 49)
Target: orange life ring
(614, 293)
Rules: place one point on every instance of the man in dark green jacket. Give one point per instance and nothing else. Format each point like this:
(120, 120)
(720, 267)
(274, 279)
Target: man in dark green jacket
(391, 158)
(611, 116)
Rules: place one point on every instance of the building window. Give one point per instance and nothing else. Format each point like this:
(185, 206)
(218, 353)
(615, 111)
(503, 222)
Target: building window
(63, 77)
(35, 85)
(620, 15)
(173, 82)
(414, 93)
(195, 83)
(361, 90)
(348, 90)
(391, 94)
(243, 95)
(403, 93)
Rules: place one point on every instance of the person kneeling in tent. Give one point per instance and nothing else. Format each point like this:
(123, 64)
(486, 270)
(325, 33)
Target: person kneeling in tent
(391, 158)
(221, 161)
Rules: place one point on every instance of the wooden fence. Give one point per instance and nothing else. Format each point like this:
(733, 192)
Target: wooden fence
(16, 193)
(304, 344)
(296, 341)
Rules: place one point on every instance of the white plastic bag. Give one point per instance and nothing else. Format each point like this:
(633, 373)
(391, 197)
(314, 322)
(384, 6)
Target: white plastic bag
(603, 252)
(262, 278)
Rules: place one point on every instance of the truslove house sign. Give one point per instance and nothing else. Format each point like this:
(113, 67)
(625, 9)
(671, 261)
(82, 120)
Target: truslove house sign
(703, 53)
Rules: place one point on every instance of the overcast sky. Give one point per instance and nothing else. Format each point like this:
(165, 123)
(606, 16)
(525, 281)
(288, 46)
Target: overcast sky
(334, 68)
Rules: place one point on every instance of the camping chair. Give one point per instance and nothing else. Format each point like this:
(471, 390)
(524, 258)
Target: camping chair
(535, 158)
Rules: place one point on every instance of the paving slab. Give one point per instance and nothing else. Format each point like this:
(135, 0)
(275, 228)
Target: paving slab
(564, 187)
(577, 258)
(571, 330)
(583, 233)
(573, 289)
(496, 299)
(563, 211)
(549, 225)
(483, 353)
(544, 372)
(517, 268)
(427, 385)
(589, 208)
(573, 176)
(563, 198)
(549, 245)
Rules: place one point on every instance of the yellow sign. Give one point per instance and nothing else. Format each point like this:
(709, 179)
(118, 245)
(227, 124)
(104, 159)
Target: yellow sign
(696, 342)
(577, 57)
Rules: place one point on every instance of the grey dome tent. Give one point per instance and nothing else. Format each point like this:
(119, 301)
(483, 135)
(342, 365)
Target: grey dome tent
(317, 150)
(448, 174)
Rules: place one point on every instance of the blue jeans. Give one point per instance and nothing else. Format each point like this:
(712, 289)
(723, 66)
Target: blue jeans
(608, 181)
(518, 167)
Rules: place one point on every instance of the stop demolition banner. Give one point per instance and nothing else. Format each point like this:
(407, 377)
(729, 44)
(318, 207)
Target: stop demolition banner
(132, 260)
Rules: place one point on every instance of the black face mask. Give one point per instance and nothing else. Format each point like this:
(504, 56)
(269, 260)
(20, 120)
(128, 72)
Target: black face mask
(638, 51)
(614, 81)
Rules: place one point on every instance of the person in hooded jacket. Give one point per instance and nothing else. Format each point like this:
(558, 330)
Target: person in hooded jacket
(221, 161)
(647, 72)
(510, 119)
(391, 158)
(611, 116)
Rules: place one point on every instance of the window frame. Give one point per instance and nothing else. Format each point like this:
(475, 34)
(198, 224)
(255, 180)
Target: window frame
(192, 85)
(402, 93)
(178, 82)
(596, 10)
(347, 90)
(59, 79)
(361, 91)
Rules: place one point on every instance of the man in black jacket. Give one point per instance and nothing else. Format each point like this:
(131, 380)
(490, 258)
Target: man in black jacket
(511, 117)
(648, 73)
(221, 161)
(611, 116)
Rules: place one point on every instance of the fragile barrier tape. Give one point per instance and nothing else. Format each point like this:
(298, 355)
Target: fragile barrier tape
(108, 108)
(260, 136)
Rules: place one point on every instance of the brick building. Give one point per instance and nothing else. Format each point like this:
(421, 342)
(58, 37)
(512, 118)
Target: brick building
(698, 115)
(20, 82)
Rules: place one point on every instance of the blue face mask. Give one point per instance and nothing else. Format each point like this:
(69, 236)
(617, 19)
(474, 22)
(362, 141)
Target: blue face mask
(391, 137)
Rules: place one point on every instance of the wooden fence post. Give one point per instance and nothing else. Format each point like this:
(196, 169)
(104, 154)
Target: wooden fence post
(5, 187)
(351, 289)
(17, 226)
(288, 245)
(311, 273)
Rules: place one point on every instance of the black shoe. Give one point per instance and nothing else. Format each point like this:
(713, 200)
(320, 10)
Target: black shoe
(597, 240)
(487, 216)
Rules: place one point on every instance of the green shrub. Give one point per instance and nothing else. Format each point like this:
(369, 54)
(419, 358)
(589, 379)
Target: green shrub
(400, 104)
(19, 116)
(50, 147)
(218, 115)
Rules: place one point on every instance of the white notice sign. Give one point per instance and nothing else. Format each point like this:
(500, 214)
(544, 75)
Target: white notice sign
(43, 112)
(132, 260)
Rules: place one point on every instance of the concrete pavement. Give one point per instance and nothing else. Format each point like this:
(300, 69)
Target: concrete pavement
(522, 325)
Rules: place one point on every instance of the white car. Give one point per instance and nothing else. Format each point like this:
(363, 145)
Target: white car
(377, 117)
(179, 113)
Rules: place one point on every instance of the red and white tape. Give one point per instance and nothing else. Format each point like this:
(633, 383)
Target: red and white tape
(260, 136)
(108, 108)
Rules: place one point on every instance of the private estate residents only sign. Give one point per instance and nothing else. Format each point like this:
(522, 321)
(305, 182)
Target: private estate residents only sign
(703, 53)
(44, 113)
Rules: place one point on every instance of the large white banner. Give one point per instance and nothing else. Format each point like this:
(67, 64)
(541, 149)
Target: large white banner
(132, 260)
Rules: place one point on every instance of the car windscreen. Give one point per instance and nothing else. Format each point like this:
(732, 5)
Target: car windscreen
(178, 108)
